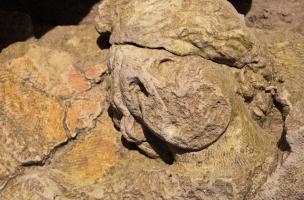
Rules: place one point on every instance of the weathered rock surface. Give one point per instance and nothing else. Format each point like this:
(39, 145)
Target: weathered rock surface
(224, 127)
(75, 167)
(96, 165)
(186, 110)
(41, 93)
(277, 15)
(287, 180)
(211, 29)
(162, 87)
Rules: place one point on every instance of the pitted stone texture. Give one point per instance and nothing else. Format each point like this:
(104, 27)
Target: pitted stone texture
(287, 181)
(27, 121)
(72, 170)
(108, 10)
(38, 79)
(258, 88)
(83, 110)
(208, 28)
(169, 95)
(50, 71)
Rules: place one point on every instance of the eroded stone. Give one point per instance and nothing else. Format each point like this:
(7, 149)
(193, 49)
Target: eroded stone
(33, 122)
(186, 110)
(37, 81)
(211, 29)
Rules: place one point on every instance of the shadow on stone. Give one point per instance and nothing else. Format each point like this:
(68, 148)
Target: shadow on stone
(157, 145)
(44, 15)
(283, 144)
(160, 147)
(242, 6)
(104, 40)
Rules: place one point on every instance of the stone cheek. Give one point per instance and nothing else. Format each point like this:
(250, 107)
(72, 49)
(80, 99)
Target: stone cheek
(167, 95)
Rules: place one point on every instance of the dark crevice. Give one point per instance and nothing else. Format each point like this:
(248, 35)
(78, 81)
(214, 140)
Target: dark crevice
(242, 6)
(165, 60)
(46, 157)
(141, 46)
(141, 86)
(129, 145)
(159, 146)
(247, 99)
(114, 114)
(103, 40)
(283, 144)
(22, 19)
(225, 61)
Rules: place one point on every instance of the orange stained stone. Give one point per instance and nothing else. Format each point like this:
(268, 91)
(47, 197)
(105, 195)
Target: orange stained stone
(82, 113)
(26, 69)
(63, 80)
(92, 156)
(77, 81)
(94, 72)
(34, 121)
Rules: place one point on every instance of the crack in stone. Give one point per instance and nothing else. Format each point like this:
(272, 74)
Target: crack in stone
(218, 61)
(57, 148)
(47, 158)
(52, 152)
(11, 177)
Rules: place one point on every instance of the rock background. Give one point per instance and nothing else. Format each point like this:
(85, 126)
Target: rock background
(58, 141)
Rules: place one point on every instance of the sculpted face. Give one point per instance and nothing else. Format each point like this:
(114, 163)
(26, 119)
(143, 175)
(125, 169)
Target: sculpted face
(171, 96)
(169, 64)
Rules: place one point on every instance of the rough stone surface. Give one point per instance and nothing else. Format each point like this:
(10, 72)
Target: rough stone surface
(96, 165)
(277, 15)
(242, 128)
(43, 94)
(74, 168)
(161, 86)
(186, 110)
(31, 123)
(287, 180)
(181, 27)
